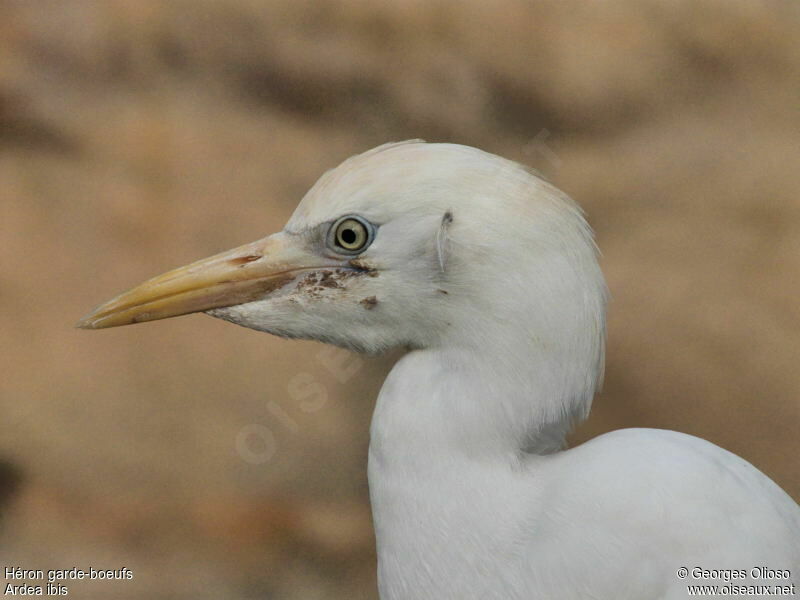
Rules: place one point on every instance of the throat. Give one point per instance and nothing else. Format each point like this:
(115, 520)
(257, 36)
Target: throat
(445, 446)
(455, 403)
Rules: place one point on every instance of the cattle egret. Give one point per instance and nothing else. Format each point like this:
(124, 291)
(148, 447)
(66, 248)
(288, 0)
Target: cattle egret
(488, 276)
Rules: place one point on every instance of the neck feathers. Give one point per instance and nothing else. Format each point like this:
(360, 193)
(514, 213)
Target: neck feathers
(527, 324)
(515, 349)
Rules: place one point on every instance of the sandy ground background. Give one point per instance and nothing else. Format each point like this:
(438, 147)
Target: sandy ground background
(138, 136)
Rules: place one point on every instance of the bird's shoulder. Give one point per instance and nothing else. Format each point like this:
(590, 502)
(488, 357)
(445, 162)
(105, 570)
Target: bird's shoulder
(674, 485)
(631, 506)
(677, 465)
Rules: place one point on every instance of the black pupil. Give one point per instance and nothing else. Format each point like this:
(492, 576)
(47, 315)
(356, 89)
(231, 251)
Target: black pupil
(348, 236)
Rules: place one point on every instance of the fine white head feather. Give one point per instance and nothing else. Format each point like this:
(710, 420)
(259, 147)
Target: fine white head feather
(488, 275)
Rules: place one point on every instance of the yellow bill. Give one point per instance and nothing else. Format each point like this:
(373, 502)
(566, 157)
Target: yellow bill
(234, 277)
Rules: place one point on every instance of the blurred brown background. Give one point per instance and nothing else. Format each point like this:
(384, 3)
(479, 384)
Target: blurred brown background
(137, 136)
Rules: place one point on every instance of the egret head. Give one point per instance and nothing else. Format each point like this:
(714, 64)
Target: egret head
(410, 244)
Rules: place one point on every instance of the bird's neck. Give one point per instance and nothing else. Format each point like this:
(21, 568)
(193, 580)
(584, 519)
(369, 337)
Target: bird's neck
(457, 429)
(465, 403)
(443, 449)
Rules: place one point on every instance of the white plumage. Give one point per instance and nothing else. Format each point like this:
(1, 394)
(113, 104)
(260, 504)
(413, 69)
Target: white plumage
(488, 276)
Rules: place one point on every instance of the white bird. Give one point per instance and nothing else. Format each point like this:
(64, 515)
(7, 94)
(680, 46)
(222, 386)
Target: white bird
(488, 276)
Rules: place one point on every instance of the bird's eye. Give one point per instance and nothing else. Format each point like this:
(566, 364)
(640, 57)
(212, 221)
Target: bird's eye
(350, 235)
